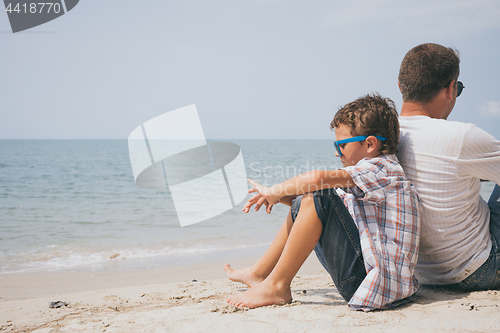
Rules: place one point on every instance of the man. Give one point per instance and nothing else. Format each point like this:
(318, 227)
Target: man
(445, 160)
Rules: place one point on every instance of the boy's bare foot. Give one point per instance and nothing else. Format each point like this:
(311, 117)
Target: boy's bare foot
(263, 294)
(244, 275)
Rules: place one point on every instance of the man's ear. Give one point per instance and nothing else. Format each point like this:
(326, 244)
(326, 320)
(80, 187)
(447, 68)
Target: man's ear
(450, 89)
(399, 86)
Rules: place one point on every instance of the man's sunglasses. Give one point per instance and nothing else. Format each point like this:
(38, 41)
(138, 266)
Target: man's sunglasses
(341, 143)
(460, 87)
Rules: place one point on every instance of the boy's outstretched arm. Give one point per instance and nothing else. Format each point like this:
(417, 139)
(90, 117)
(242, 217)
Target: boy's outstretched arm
(305, 183)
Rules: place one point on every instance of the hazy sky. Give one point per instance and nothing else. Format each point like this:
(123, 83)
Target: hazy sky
(255, 69)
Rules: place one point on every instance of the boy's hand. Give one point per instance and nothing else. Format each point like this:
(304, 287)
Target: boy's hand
(266, 192)
(263, 197)
(258, 200)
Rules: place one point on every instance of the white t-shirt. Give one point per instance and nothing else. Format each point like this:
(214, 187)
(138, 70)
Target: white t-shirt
(445, 161)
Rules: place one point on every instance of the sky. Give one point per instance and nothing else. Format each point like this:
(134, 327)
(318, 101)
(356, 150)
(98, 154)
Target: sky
(256, 69)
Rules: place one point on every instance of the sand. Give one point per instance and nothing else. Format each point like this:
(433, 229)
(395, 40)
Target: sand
(192, 299)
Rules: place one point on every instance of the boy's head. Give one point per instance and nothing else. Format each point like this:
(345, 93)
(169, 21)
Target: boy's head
(370, 115)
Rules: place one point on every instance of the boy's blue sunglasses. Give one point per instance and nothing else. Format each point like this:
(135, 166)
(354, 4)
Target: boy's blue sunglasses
(354, 139)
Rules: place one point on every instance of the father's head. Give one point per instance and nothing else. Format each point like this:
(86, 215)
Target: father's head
(426, 70)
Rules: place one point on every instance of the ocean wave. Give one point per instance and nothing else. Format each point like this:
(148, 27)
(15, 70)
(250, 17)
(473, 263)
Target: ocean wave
(58, 259)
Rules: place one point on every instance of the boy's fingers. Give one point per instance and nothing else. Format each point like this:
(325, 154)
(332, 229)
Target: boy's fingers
(250, 203)
(255, 197)
(269, 208)
(247, 207)
(260, 203)
(253, 183)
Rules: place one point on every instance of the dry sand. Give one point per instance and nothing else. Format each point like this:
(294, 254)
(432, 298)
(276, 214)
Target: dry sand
(192, 299)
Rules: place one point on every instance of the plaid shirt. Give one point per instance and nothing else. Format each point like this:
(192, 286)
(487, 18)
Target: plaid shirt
(386, 209)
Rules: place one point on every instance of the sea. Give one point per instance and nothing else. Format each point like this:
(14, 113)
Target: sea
(73, 205)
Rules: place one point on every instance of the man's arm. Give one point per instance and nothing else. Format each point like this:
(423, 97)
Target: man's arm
(480, 155)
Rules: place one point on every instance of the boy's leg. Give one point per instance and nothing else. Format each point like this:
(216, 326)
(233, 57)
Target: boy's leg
(254, 274)
(303, 237)
(339, 248)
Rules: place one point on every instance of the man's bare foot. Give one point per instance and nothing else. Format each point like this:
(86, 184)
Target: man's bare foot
(263, 294)
(244, 275)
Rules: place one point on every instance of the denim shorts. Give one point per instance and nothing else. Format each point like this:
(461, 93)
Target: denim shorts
(488, 275)
(339, 248)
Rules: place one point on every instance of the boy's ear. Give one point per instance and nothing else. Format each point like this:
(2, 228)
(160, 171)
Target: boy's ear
(371, 144)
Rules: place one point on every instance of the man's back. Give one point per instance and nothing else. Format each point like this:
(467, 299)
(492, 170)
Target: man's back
(445, 160)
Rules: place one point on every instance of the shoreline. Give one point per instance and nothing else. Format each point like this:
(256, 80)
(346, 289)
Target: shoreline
(116, 262)
(42, 284)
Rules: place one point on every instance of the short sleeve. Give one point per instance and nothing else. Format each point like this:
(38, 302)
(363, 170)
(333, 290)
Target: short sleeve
(479, 156)
(370, 176)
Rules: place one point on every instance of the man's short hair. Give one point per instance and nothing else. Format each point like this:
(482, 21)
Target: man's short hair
(371, 115)
(425, 70)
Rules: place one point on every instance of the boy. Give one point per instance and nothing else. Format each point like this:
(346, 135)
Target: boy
(361, 220)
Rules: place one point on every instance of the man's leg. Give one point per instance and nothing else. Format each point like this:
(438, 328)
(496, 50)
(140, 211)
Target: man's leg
(494, 205)
(488, 275)
(303, 237)
(256, 273)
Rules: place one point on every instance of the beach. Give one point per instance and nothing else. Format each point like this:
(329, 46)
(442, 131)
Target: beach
(192, 298)
(78, 230)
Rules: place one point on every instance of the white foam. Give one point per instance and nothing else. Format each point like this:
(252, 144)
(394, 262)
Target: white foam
(62, 259)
